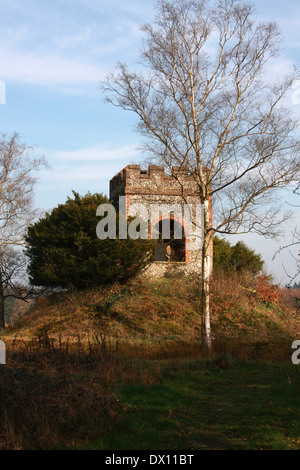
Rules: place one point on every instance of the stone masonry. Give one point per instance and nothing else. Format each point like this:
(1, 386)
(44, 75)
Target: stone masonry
(155, 187)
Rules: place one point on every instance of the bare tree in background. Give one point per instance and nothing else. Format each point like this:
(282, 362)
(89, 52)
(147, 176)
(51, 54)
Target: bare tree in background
(295, 242)
(17, 167)
(203, 105)
(14, 279)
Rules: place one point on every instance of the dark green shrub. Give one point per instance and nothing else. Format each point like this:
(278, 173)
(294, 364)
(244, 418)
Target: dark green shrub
(64, 250)
(238, 258)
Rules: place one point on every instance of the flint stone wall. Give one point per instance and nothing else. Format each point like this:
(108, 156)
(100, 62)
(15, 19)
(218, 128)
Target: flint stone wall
(154, 186)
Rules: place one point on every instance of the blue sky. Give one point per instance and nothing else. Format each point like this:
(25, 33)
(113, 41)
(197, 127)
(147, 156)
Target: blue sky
(53, 55)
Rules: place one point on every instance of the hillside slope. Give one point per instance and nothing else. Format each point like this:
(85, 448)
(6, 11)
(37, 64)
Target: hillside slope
(164, 311)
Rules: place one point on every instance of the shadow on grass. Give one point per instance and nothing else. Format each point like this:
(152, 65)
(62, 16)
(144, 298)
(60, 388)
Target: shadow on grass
(254, 406)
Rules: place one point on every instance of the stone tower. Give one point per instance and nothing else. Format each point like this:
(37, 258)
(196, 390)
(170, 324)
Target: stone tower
(167, 202)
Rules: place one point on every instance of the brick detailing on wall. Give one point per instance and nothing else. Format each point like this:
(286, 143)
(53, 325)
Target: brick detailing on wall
(134, 181)
(155, 186)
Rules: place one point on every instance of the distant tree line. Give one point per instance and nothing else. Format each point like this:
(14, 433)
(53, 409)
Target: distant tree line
(235, 258)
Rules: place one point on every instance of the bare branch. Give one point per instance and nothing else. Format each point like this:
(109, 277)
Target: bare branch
(203, 105)
(17, 180)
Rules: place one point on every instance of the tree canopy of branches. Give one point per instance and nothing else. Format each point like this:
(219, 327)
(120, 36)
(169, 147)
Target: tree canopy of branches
(64, 251)
(203, 105)
(294, 243)
(17, 180)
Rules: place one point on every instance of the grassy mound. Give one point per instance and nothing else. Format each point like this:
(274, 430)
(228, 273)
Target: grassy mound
(164, 311)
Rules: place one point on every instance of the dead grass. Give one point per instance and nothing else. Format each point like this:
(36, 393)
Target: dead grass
(154, 313)
(56, 396)
(68, 352)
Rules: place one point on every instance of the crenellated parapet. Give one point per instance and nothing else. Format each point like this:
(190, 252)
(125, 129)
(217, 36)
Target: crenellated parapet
(155, 181)
(155, 189)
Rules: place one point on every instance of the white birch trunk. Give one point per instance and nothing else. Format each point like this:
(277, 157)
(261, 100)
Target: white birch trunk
(206, 272)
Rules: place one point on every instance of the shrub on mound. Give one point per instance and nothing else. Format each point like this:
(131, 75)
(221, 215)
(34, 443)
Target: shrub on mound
(64, 250)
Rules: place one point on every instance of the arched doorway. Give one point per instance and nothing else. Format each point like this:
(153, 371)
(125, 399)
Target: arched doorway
(170, 245)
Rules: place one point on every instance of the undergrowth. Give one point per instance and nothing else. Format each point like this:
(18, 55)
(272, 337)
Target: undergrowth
(159, 310)
(71, 352)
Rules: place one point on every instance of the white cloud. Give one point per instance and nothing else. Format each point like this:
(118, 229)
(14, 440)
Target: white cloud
(82, 173)
(46, 69)
(88, 168)
(99, 153)
(59, 44)
(56, 184)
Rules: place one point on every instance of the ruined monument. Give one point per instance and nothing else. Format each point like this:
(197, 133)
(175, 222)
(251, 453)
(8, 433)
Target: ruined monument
(167, 202)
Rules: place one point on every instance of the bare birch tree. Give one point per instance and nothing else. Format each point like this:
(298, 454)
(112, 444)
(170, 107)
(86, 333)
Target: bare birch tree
(17, 168)
(294, 243)
(203, 105)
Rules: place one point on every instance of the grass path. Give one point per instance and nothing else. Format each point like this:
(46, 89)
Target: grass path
(249, 406)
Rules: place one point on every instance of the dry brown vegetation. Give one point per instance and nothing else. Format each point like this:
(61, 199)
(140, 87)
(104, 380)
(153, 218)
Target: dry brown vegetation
(156, 312)
(68, 352)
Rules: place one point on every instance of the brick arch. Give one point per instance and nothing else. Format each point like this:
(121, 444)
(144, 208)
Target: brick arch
(178, 244)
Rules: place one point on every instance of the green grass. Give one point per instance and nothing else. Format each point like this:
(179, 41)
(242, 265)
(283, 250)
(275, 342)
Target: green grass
(197, 406)
(123, 366)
